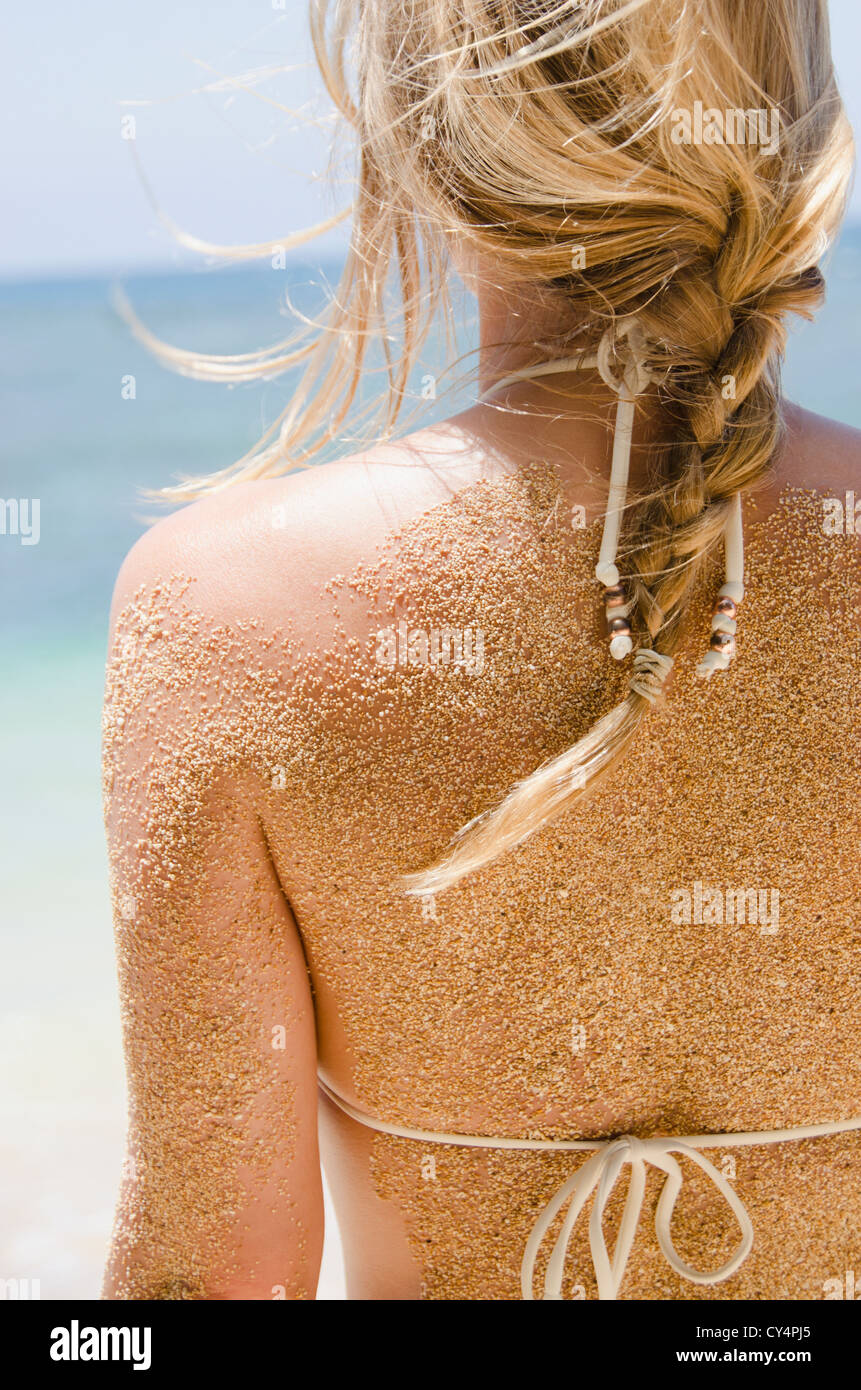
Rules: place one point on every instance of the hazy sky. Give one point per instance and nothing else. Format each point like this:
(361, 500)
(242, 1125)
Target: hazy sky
(223, 164)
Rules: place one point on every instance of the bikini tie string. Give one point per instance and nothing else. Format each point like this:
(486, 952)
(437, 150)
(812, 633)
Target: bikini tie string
(599, 1175)
(621, 361)
(625, 341)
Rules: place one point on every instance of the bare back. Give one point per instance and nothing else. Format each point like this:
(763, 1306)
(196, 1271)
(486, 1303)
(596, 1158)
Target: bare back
(315, 682)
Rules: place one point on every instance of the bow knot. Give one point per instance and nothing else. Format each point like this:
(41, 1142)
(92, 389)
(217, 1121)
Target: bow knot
(626, 341)
(599, 1175)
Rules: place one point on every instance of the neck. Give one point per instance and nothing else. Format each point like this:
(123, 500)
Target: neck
(518, 331)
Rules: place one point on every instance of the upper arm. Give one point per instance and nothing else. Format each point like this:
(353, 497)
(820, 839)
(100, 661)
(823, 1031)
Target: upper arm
(222, 1194)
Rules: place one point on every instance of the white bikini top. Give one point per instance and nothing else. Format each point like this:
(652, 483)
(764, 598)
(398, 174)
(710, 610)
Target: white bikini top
(599, 1175)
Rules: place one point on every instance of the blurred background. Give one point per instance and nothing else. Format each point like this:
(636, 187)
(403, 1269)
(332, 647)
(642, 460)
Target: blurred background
(230, 134)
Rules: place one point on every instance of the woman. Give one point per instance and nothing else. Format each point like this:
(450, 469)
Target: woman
(602, 1041)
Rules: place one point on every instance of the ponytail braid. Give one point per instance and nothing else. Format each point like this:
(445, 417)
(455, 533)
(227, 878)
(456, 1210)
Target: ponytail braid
(727, 412)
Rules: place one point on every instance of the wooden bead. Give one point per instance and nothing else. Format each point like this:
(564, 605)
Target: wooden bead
(615, 591)
(615, 601)
(619, 625)
(723, 642)
(727, 606)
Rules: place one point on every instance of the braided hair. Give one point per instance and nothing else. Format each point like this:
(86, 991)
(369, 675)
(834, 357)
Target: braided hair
(681, 161)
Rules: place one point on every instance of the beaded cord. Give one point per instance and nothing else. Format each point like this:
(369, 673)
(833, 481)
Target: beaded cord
(625, 341)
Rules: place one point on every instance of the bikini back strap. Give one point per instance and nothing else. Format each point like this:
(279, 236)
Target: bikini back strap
(598, 1176)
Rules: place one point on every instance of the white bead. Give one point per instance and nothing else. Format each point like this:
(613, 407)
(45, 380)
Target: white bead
(713, 661)
(620, 645)
(607, 575)
(733, 589)
(721, 623)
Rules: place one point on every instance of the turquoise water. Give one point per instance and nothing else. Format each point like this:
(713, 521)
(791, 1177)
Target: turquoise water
(69, 438)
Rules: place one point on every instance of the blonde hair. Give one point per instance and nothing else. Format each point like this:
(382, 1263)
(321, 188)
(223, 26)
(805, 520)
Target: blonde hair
(549, 138)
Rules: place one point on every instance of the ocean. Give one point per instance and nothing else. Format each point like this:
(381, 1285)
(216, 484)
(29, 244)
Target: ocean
(74, 439)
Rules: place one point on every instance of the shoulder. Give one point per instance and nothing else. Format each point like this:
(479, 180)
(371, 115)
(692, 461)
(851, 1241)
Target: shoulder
(257, 550)
(815, 455)
(817, 452)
